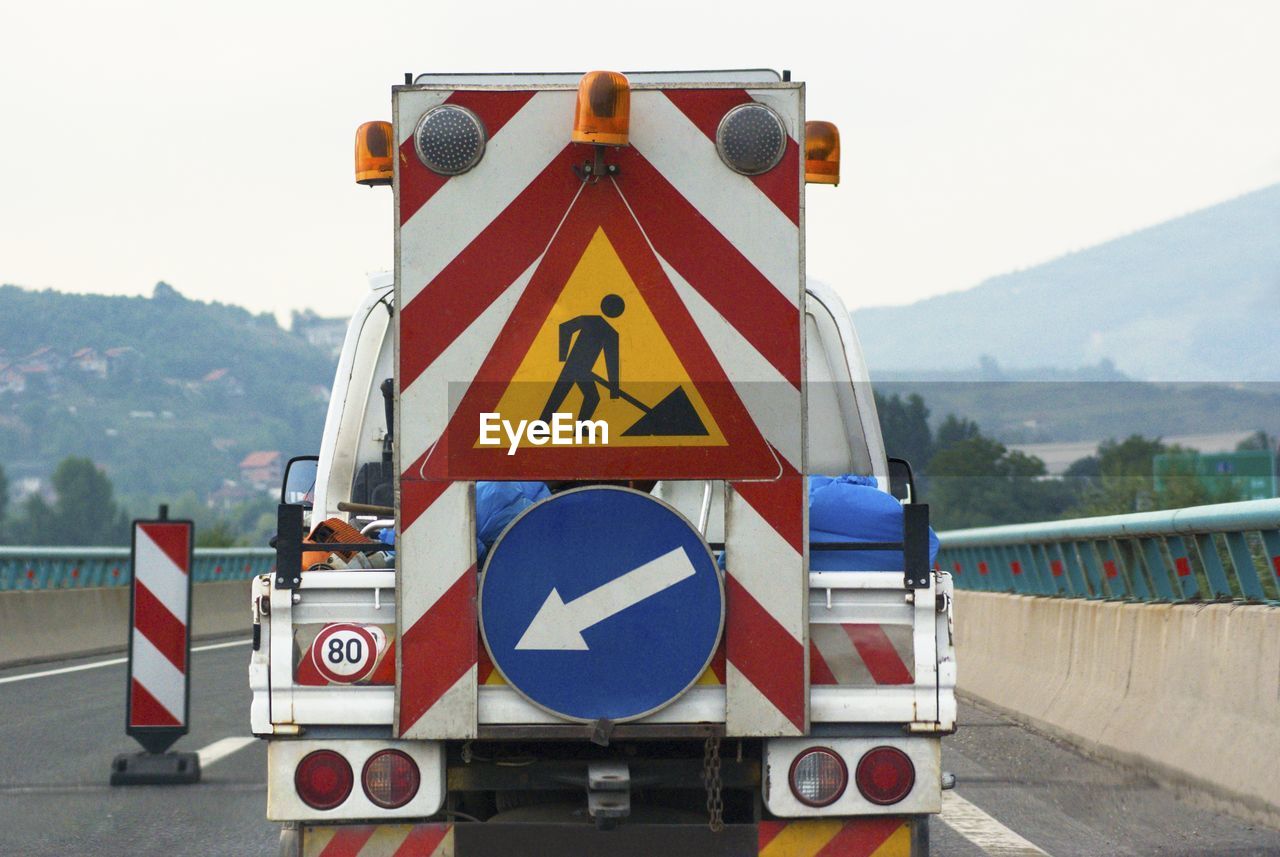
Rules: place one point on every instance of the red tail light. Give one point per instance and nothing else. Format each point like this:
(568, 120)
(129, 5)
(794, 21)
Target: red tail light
(885, 775)
(390, 778)
(323, 779)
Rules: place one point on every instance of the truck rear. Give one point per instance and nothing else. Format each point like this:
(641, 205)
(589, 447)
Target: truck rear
(555, 589)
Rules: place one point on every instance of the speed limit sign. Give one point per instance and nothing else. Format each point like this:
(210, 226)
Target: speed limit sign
(346, 652)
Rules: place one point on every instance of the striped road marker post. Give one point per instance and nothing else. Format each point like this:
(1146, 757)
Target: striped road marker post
(158, 692)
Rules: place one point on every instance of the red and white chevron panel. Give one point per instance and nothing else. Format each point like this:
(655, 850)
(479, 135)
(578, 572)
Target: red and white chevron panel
(727, 254)
(766, 629)
(378, 840)
(159, 637)
(860, 654)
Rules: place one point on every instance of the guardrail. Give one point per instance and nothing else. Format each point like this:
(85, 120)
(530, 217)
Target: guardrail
(1227, 552)
(89, 567)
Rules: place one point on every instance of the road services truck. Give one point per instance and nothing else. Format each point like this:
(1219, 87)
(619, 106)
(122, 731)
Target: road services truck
(550, 586)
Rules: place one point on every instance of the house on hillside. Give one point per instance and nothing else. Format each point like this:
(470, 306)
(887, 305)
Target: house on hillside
(89, 361)
(44, 360)
(228, 495)
(27, 486)
(221, 381)
(11, 380)
(123, 361)
(263, 470)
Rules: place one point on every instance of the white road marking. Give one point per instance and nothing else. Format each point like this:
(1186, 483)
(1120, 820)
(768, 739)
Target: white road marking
(110, 663)
(983, 830)
(221, 749)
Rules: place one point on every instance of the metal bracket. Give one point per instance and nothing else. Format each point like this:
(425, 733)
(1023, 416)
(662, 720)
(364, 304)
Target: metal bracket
(288, 546)
(608, 792)
(595, 169)
(601, 732)
(915, 545)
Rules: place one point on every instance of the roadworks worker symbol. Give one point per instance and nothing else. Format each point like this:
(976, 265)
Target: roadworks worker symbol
(600, 357)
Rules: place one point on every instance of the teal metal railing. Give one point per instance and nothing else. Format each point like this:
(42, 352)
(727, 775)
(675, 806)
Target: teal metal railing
(86, 567)
(1227, 552)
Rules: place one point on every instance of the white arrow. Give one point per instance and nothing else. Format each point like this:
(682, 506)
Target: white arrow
(559, 626)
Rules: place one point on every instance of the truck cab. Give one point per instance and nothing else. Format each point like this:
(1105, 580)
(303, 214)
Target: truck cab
(403, 712)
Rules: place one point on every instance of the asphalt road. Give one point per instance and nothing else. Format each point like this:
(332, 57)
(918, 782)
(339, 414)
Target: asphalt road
(1019, 794)
(59, 733)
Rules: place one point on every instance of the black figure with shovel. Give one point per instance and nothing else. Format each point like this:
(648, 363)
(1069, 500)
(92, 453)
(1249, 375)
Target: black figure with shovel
(582, 340)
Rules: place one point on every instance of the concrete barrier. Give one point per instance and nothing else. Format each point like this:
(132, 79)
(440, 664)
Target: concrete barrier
(1189, 693)
(48, 624)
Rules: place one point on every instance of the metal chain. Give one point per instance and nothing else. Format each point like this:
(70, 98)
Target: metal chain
(711, 779)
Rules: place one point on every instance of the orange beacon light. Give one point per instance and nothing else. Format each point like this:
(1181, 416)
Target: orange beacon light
(603, 114)
(373, 154)
(821, 153)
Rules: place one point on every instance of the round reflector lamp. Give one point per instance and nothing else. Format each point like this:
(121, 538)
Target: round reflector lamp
(751, 139)
(390, 778)
(885, 775)
(818, 777)
(323, 779)
(449, 139)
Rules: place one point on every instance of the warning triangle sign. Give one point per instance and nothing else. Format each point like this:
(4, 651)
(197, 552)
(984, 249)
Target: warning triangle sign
(601, 355)
(601, 373)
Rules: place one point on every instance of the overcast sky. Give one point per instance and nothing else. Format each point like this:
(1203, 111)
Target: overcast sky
(210, 146)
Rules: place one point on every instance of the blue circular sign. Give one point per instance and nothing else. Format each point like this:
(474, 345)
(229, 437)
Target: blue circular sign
(601, 603)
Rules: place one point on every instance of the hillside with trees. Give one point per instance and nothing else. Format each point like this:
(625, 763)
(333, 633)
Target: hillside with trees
(972, 480)
(165, 395)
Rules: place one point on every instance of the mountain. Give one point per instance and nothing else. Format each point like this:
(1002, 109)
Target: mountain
(1196, 298)
(168, 395)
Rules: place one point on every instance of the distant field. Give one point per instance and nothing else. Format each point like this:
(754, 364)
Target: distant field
(1057, 457)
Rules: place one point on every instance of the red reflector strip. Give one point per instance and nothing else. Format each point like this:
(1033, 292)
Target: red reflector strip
(1275, 563)
(1056, 567)
(878, 653)
(956, 567)
(1110, 567)
(1016, 567)
(982, 568)
(146, 710)
(1183, 565)
(164, 630)
(819, 670)
(348, 841)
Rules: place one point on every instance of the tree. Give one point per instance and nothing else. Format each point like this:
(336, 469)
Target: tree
(977, 481)
(1089, 467)
(1126, 482)
(84, 513)
(219, 535)
(955, 429)
(905, 426)
(1258, 440)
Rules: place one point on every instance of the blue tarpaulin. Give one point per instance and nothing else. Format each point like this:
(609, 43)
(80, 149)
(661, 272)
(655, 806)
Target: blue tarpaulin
(497, 504)
(852, 508)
